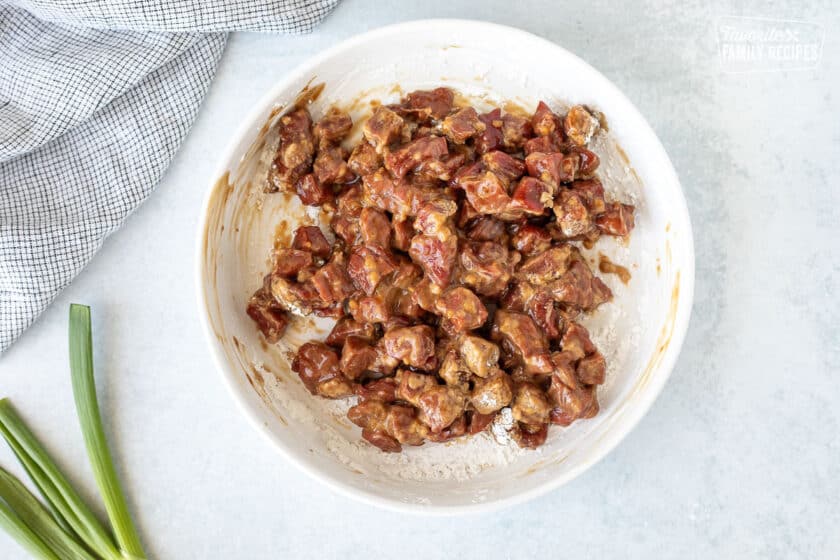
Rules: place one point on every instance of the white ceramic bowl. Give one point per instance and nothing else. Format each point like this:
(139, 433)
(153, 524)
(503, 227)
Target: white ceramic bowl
(640, 332)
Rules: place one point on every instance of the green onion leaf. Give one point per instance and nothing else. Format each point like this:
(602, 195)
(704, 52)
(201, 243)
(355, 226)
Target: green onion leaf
(49, 479)
(56, 514)
(27, 538)
(39, 520)
(87, 407)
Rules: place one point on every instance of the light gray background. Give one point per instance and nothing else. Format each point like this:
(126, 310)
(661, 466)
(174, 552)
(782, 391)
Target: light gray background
(739, 457)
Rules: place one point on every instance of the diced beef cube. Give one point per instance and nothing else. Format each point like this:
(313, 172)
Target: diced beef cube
(382, 128)
(456, 429)
(492, 138)
(370, 415)
(368, 265)
(414, 346)
(364, 159)
(368, 309)
(591, 191)
(473, 169)
(294, 151)
(515, 131)
(433, 217)
(580, 125)
(311, 192)
(382, 440)
(317, 365)
(588, 162)
(425, 294)
(345, 228)
(462, 125)
(333, 127)
(434, 104)
(493, 393)
(436, 256)
(530, 240)
(506, 167)
(479, 355)
(617, 219)
(408, 197)
(554, 168)
(576, 342)
(379, 191)
(530, 404)
(462, 309)
(345, 223)
(565, 364)
(520, 334)
(410, 156)
(485, 192)
(542, 144)
(538, 303)
(300, 298)
(347, 326)
(269, 316)
(305, 274)
(531, 196)
(402, 424)
(311, 239)
(333, 283)
(288, 262)
(412, 384)
(440, 406)
(357, 356)
(572, 215)
(579, 288)
(545, 122)
(384, 390)
(385, 364)
(592, 369)
(542, 309)
(547, 266)
(330, 167)
(571, 403)
(487, 267)
(442, 169)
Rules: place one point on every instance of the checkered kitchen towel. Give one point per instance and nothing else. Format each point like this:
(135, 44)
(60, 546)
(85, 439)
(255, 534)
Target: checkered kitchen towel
(95, 97)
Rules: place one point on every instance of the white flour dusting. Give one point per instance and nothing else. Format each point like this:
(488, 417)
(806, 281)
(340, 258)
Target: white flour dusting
(502, 425)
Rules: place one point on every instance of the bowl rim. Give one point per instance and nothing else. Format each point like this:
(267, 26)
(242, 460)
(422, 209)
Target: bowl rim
(632, 416)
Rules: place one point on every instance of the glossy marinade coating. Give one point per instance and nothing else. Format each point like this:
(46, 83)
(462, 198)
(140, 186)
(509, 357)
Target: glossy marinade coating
(451, 264)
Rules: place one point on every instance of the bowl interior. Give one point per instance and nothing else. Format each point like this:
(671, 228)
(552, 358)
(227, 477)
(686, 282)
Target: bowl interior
(639, 332)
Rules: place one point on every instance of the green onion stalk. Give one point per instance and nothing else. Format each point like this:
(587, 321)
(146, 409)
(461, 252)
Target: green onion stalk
(63, 526)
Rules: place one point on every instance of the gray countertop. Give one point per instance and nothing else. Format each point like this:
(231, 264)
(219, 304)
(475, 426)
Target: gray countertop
(739, 457)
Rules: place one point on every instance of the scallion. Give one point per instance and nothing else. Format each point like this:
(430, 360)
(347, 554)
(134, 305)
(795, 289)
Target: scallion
(36, 516)
(87, 407)
(64, 527)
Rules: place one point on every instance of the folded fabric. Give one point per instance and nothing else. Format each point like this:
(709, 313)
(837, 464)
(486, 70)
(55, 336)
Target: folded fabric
(95, 98)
